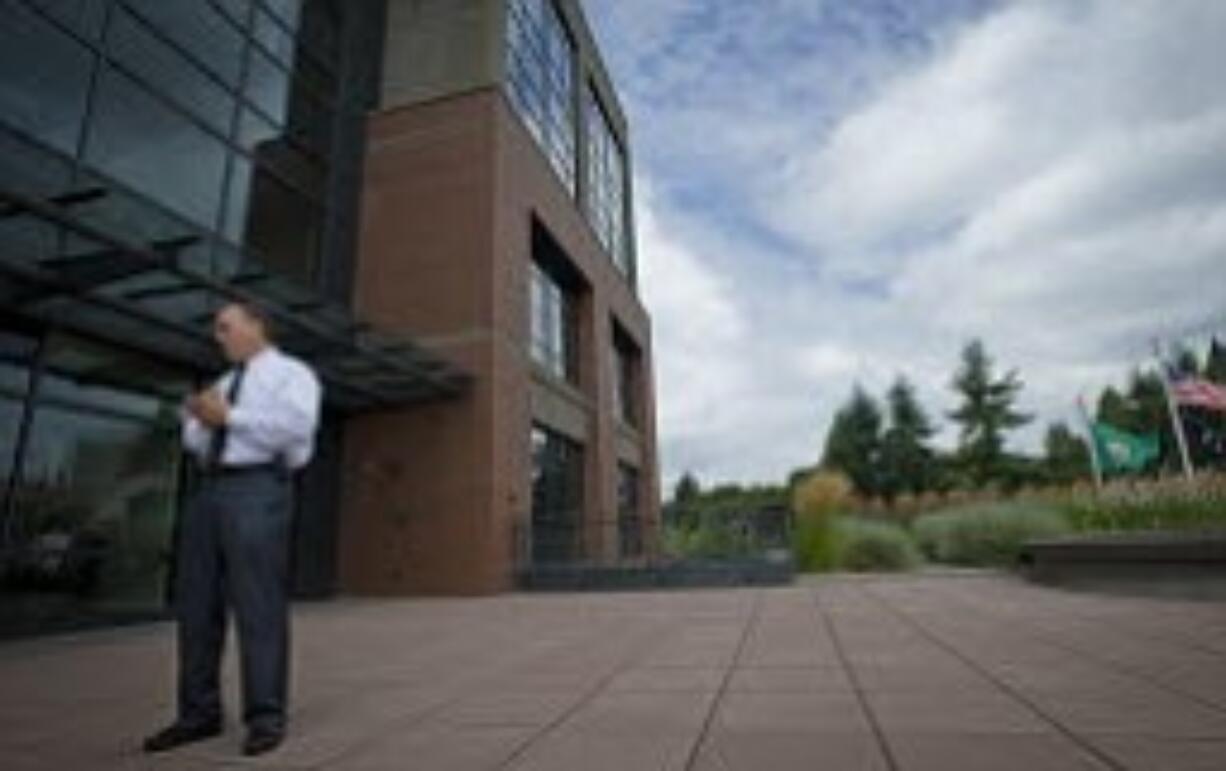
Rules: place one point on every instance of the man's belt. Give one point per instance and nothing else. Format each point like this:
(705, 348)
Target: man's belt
(235, 470)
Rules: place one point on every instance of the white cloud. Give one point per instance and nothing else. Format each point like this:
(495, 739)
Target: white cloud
(1050, 176)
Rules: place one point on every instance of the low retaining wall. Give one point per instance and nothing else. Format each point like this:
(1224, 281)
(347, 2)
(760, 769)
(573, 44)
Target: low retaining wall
(686, 574)
(1169, 564)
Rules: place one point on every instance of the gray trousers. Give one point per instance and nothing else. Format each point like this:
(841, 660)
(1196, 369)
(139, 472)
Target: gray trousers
(233, 550)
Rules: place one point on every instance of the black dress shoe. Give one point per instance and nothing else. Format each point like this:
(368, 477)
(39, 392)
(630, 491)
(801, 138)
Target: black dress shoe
(261, 740)
(178, 734)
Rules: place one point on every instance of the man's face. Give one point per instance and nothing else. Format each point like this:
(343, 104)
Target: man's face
(239, 335)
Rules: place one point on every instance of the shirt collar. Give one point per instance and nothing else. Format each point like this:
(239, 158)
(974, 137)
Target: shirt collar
(268, 352)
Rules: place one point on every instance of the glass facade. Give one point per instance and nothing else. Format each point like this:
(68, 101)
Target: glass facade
(540, 64)
(557, 497)
(626, 363)
(629, 515)
(202, 130)
(605, 191)
(554, 328)
(91, 472)
(219, 113)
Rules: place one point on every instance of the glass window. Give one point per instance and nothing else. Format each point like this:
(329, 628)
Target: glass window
(274, 38)
(97, 486)
(540, 76)
(553, 325)
(557, 497)
(268, 86)
(157, 152)
(200, 29)
(605, 191)
(237, 10)
(135, 47)
(95, 504)
(287, 11)
(625, 379)
(89, 374)
(46, 101)
(629, 517)
(17, 352)
(82, 16)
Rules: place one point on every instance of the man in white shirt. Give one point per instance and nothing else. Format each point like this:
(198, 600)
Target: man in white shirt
(248, 433)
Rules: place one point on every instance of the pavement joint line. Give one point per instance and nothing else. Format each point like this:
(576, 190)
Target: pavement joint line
(1148, 631)
(1085, 744)
(827, 622)
(1102, 661)
(626, 662)
(708, 720)
(417, 718)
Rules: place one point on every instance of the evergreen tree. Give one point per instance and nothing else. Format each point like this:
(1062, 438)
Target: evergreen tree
(906, 459)
(1215, 364)
(683, 510)
(687, 488)
(985, 415)
(1067, 455)
(853, 444)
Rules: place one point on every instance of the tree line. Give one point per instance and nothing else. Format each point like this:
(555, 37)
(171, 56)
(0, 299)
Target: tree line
(886, 450)
(885, 446)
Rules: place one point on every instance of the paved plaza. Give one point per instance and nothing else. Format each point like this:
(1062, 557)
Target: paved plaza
(933, 672)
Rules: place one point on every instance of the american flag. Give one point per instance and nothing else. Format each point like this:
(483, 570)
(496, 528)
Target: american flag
(1194, 392)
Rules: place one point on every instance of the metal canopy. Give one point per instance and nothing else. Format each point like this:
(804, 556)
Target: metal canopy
(99, 258)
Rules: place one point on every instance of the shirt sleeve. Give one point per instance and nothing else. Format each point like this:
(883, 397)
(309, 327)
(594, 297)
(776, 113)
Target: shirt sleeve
(196, 436)
(281, 424)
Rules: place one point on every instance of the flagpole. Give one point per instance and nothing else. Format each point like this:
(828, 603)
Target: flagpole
(1176, 422)
(1095, 463)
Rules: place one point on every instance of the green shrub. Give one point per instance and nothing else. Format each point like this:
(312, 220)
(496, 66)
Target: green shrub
(986, 534)
(814, 546)
(816, 500)
(865, 546)
(709, 541)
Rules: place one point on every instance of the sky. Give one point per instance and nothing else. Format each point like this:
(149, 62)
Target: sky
(833, 192)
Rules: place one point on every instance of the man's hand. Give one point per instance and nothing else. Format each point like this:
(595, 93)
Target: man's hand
(209, 407)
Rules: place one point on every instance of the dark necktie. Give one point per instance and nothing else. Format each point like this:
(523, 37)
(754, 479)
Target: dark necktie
(217, 443)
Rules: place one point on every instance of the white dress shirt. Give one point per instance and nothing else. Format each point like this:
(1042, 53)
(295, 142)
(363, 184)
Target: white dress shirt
(274, 418)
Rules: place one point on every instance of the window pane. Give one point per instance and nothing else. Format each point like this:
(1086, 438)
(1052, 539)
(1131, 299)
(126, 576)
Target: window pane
(161, 154)
(540, 72)
(163, 68)
(557, 497)
(286, 10)
(273, 37)
(17, 352)
(605, 202)
(82, 16)
(268, 86)
(95, 498)
(629, 518)
(553, 341)
(90, 374)
(95, 505)
(236, 10)
(200, 29)
(44, 77)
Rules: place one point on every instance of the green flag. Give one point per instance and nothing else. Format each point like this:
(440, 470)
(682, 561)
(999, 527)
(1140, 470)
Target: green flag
(1123, 451)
